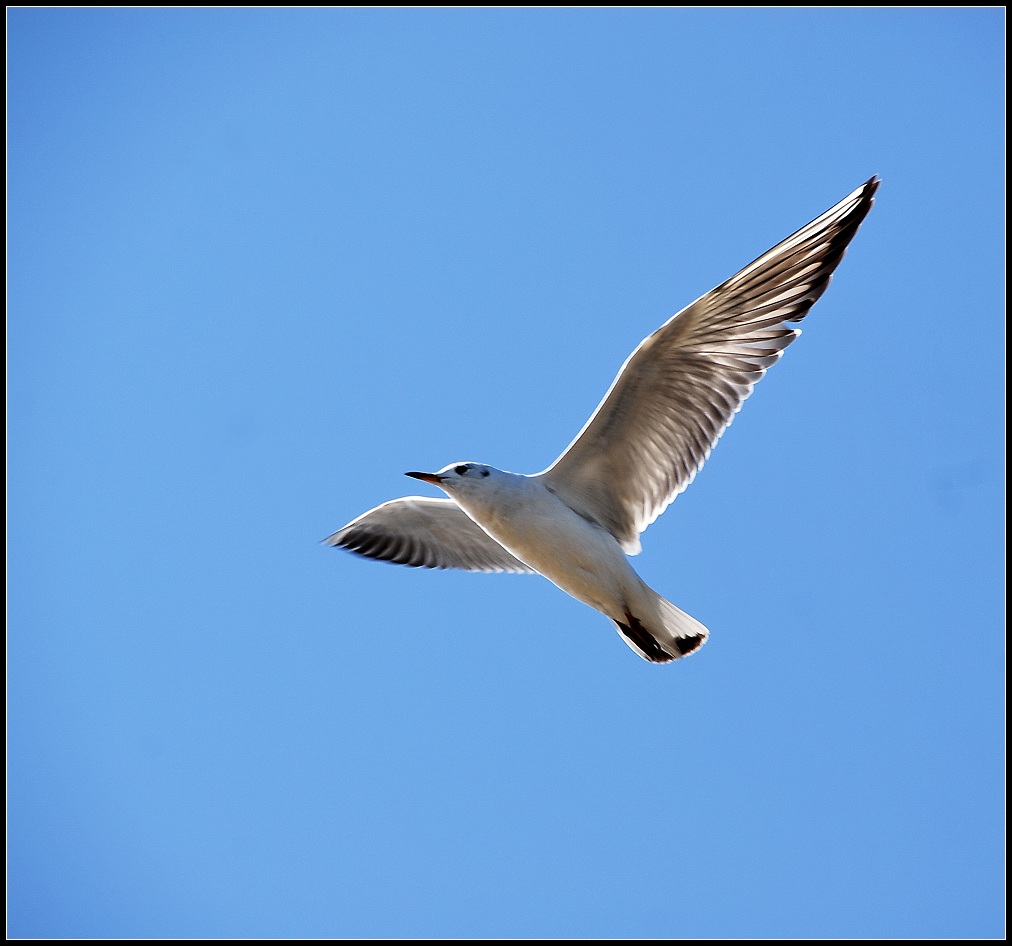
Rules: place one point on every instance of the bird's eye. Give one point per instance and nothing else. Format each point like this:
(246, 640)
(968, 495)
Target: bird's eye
(460, 470)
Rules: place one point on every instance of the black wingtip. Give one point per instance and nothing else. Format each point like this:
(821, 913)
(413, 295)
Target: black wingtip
(868, 189)
(398, 550)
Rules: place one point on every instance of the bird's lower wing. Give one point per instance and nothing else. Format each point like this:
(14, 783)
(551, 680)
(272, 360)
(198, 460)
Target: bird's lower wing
(425, 533)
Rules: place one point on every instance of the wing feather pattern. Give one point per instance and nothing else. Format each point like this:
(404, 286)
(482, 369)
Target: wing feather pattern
(681, 387)
(425, 533)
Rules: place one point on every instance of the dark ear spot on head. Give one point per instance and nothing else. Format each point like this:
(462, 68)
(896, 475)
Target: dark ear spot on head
(484, 472)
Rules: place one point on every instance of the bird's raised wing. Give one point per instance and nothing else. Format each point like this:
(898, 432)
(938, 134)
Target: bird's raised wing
(425, 533)
(682, 386)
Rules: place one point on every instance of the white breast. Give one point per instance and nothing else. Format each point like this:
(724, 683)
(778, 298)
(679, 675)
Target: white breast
(577, 555)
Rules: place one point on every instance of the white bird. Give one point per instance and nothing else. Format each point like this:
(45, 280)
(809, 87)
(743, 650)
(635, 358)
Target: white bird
(576, 522)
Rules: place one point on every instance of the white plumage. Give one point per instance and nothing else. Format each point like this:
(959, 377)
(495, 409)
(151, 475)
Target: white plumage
(675, 395)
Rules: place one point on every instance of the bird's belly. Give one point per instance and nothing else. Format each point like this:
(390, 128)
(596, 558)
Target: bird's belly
(577, 556)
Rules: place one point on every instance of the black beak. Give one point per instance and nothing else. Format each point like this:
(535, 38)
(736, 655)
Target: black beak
(434, 478)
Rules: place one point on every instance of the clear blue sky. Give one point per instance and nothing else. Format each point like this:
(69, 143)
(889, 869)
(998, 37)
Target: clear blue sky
(262, 262)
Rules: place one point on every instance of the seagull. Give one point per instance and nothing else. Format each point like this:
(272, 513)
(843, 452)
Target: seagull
(577, 522)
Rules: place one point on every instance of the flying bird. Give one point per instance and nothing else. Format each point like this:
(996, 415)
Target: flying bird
(577, 521)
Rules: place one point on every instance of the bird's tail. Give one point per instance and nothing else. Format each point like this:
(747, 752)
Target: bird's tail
(667, 635)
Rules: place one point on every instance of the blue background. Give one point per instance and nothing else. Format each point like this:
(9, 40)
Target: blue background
(261, 262)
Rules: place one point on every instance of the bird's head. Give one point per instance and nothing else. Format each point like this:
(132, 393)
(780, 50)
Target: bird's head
(460, 478)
